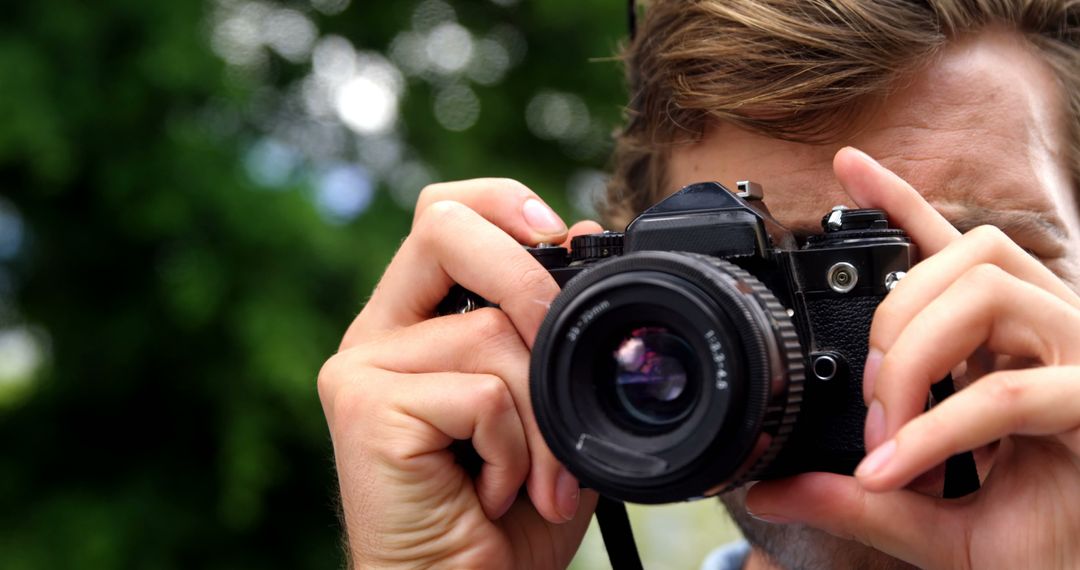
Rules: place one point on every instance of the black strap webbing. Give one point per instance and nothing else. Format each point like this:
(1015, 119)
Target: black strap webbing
(617, 534)
(961, 476)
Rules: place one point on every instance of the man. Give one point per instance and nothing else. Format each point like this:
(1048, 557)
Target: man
(972, 109)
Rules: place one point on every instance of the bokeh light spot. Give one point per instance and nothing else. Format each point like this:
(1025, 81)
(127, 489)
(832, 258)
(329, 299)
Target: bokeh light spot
(555, 115)
(457, 107)
(21, 353)
(407, 180)
(330, 7)
(368, 102)
(490, 62)
(431, 13)
(343, 192)
(11, 230)
(289, 33)
(585, 188)
(449, 47)
(270, 163)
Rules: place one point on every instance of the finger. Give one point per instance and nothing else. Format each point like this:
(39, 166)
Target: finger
(1039, 401)
(927, 280)
(979, 308)
(566, 538)
(424, 413)
(583, 227)
(871, 185)
(436, 255)
(506, 203)
(481, 342)
(904, 524)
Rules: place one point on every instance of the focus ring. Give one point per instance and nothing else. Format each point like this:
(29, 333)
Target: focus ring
(780, 417)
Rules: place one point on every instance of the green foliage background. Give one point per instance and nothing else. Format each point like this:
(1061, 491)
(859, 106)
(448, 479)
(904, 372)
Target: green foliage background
(180, 306)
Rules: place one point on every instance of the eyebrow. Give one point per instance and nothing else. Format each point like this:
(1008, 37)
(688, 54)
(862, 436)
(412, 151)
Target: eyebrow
(1013, 222)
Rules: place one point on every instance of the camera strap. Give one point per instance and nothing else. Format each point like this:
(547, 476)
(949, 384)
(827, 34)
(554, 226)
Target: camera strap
(617, 534)
(961, 476)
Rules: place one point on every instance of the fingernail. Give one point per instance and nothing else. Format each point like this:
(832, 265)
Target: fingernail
(870, 372)
(541, 218)
(877, 460)
(566, 494)
(875, 425)
(769, 518)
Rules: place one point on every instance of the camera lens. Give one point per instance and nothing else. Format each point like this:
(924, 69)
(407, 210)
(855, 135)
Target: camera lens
(662, 376)
(652, 365)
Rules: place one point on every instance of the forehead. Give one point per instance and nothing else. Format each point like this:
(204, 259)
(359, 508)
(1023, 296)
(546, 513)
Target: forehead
(979, 129)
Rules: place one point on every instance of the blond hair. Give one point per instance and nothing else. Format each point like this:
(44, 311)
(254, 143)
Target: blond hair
(797, 70)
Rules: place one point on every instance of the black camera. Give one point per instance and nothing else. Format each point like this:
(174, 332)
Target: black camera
(704, 347)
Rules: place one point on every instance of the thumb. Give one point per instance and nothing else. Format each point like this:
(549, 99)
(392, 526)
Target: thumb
(915, 528)
(581, 228)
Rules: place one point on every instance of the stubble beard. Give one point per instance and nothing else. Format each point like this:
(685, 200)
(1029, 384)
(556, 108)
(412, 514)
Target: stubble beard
(799, 547)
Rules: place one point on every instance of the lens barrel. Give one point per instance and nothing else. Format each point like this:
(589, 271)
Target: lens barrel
(661, 376)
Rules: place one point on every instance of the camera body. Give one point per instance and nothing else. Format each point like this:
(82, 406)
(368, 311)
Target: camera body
(704, 347)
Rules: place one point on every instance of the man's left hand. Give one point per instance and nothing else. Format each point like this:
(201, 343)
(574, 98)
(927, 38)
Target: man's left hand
(971, 293)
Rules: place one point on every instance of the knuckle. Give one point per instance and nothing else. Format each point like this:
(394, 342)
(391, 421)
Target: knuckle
(1005, 390)
(328, 378)
(490, 325)
(508, 185)
(440, 215)
(989, 239)
(982, 274)
(342, 386)
(987, 232)
(428, 194)
(531, 276)
(490, 394)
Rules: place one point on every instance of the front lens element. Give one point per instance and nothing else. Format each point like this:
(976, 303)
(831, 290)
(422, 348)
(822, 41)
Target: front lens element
(652, 365)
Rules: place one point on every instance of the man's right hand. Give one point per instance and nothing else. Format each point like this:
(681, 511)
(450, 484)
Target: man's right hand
(405, 384)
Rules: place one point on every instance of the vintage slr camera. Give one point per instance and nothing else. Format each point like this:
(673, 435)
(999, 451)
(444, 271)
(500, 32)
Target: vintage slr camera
(704, 347)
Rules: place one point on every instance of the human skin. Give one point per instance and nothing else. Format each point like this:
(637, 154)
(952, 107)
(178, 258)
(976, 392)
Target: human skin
(977, 133)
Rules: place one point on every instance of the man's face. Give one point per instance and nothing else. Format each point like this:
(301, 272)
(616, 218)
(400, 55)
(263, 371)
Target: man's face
(979, 132)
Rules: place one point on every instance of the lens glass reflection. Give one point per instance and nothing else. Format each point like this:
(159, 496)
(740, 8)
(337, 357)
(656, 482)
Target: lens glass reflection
(652, 365)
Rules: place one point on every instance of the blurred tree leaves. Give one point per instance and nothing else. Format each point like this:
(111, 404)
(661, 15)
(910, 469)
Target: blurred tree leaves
(184, 309)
